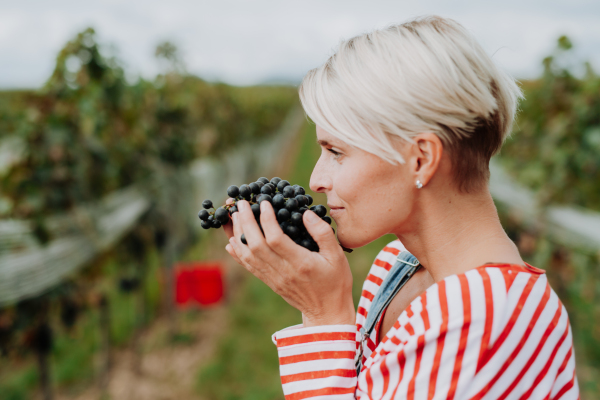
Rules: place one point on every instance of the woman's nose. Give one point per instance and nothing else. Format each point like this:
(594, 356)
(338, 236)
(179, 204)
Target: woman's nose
(320, 180)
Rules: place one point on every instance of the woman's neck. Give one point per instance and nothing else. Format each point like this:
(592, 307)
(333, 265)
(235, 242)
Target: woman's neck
(457, 233)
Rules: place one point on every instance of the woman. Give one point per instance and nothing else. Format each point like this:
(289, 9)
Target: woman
(408, 118)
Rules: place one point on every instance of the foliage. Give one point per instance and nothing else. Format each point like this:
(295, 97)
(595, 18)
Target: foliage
(554, 148)
(89, 131)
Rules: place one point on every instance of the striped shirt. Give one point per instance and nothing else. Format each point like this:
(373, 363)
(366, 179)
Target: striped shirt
(496, 332)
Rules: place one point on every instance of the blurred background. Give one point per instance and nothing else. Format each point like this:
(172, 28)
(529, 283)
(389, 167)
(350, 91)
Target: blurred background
(116, 121)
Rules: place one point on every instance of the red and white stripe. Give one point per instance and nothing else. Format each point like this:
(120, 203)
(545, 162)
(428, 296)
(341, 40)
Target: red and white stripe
(496, 332)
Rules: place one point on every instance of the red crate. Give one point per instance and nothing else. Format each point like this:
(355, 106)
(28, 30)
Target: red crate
(198, 283)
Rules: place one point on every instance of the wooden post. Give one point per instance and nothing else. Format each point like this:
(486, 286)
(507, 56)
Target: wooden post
(169, 295)
(44, 371)
(105, 344)
(43, 346)
(140, 323)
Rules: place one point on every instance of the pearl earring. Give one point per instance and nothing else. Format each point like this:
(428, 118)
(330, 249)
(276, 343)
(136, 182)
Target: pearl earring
(419, 184)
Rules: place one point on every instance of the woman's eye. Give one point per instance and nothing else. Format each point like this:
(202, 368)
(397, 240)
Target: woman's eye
(335, 153)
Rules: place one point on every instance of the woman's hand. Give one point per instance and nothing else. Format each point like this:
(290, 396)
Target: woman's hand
(317, 284)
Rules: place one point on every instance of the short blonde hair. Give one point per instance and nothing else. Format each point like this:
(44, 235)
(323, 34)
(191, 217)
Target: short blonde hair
(425, 75)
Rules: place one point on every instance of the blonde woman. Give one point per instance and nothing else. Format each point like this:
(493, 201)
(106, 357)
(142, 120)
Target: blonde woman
(407, 118)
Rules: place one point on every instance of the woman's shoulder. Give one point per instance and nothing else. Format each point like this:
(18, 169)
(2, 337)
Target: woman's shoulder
(496, 295)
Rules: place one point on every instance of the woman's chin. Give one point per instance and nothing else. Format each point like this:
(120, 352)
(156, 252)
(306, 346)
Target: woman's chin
(350, 241)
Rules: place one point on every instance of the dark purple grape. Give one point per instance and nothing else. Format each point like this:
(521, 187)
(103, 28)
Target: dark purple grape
(282, 184)
(260, 184)
(255, 210)
(206, 224)
(203, 215)
(245, 191)
(233, 191)
(299, 190)
(327, 219)
(283, 225)
(306, 243)
(233, 210)
(296, 218)
(283, 215)
(243, 238)
(263, 179)
(266, 189)
(254, 187)
(320, 210)
(302, 210)
(291, 204)
(292, 231)
(302, 200)
(210, 218)
(216, 224)
(275, 181)
(288, 192)
(310, 199)
(265, 197)
(207, 204)
(222, 215)
(278, 201)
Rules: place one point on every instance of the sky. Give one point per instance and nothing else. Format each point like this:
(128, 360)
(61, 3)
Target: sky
(246, 42)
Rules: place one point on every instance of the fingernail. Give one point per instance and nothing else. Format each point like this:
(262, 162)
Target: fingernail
(312, 217)
(232, 241)
(263, 206)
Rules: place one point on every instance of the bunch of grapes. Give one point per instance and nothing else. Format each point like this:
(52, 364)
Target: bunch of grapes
(289, 203)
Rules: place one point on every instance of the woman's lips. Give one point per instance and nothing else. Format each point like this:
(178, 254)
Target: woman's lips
(336, 211)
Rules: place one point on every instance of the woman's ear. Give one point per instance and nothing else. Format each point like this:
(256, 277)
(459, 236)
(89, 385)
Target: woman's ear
(426, 154)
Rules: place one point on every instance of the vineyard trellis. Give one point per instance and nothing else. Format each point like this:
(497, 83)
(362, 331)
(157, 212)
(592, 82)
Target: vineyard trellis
(28, 269)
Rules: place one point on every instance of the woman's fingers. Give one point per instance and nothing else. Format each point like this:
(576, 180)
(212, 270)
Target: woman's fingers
(254, 253)
(252, 232)
(322, 233)
(278, 241)
(228, 228)
(232, 253)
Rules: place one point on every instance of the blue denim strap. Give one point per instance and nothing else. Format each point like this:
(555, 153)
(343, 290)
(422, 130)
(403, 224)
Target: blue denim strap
(403, 269)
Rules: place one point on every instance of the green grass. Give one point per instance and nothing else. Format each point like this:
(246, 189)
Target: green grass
(245, 364)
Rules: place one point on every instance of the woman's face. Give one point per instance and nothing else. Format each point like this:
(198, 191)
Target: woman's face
(368, 196)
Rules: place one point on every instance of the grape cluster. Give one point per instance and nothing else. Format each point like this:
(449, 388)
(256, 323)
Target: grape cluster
(289, 203)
